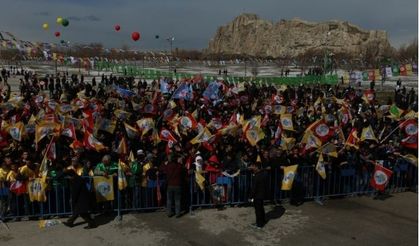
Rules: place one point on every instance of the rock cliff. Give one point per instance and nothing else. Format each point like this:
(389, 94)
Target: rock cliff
(249, 35)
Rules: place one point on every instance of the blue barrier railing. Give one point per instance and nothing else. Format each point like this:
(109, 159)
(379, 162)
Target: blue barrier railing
(218, 190)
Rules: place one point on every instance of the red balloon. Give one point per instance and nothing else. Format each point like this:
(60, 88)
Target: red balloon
(117, 28)
(135, 36)
(57, 34)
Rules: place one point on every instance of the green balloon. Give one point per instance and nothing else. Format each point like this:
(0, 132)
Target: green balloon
(65, 22)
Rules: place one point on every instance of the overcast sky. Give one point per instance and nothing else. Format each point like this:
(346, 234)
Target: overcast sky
(191, 22)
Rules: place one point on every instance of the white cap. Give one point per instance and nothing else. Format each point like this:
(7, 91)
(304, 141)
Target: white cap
(140, 152)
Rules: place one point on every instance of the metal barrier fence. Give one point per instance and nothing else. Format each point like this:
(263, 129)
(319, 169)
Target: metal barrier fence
(219, 191)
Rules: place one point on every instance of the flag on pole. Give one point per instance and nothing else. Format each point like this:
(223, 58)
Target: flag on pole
(122, 147)
(289, 175)
(328, 149)
(16, 131)
(368, 134)
(320, 168)
(380, 177)
(395, 112)
(145, 125)
(410, 131)
(286, 122)
(103, 188)
(353, 139)
(411, 159)
(132, 133)
(255, 135)
(204, 136)
(69, 131)
(310, 140)
(200, 180)
(91, 142)
(122, 180)
(166, 135)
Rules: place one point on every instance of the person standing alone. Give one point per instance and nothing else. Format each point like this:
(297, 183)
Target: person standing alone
(258, 193)
(80, 200)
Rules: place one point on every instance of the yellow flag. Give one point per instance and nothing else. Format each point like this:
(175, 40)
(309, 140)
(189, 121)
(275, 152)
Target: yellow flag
(16, 131)
(368, 134)
(43, 168)
(255, 135)
(145, 125)
(286, 122)
(289, 174)
(122, 180)
(200, 180)
(103, 188)
(287, 143)
(411, 159)
(328, 149)
(310, 140)
(203, 136)
(252, 123)
(131, 131)
(320, 167)
(36, 190)
(131, 157)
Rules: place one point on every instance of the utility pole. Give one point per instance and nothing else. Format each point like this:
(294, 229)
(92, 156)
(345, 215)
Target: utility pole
(170, 40)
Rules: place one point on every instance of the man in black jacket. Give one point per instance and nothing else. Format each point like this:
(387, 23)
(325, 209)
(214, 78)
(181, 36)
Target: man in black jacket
(259, 189)
(80, 200)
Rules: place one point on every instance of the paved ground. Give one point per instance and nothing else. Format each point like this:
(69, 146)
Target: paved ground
(350, 221)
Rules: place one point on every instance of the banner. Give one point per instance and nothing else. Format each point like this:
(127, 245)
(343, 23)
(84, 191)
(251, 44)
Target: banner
(103, 188)
(36, 190)
(289, 174)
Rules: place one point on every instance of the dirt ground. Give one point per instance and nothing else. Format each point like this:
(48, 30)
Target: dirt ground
(349, 221)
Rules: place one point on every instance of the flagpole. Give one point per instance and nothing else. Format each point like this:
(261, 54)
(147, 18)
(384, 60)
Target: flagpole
(391, 133)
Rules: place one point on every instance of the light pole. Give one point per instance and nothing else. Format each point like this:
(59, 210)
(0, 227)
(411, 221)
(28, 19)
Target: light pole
(170, 40)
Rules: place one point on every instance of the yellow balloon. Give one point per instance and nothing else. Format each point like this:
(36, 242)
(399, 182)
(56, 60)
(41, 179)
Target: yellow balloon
(45, 26)
(59, 20)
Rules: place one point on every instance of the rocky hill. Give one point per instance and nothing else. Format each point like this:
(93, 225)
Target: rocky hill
(247, 34)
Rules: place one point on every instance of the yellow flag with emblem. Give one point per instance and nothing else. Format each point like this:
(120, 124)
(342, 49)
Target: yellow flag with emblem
(36, 190)
(103, 188)
(200, 180)
(255, 135)
(288, 179)
(320, 167)
(203, 136)
(368, 134)
(286, 122)
(122, 180)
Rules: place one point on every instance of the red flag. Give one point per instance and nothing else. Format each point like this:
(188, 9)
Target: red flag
(3, 139)
(87, 122)
(321, 130)
(410, 131)
(51, 151)
(91, 142)
(69, 131)
(166, 135)
(380, 177)
(264, 120)
(403, 70)
(369, 96)
(76, 144)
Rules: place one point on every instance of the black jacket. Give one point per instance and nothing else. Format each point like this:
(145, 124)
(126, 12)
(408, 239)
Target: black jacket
(80, 197)
(259, 185)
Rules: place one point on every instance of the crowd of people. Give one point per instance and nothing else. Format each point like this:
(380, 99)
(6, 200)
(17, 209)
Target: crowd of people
(162, 131)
